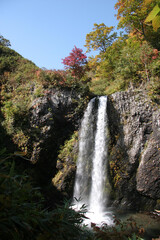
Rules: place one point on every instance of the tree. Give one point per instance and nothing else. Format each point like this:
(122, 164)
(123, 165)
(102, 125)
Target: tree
(107, 62)
(100, 38)
(132, 14)
(76, 62)
(154, 16)
(4, 42)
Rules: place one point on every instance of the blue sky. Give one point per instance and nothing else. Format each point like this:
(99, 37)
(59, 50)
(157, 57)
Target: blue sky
(45, 31)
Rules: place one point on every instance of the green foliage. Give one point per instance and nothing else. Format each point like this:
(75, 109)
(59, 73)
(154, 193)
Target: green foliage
(154, 90)
(132, 14)
(98, 86)
(121, 230)
(126, 63)
(4, 42)
(21, 82)
(100, 38)
(66, 151)
(15, 110)
(8, 62)
(66, 159)
(22, 215)
(50, 79)
(116, 86)
(131, 60)
(154, 16)
(19, 213)
(137, 63)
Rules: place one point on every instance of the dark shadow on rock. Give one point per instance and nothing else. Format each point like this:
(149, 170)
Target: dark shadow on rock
(125, 153)
(53, 119)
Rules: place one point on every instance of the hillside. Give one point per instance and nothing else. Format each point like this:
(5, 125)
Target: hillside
(27, 164)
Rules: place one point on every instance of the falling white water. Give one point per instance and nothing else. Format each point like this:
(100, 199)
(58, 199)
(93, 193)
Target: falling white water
(83, 173)
(91, 172)
(97, 196)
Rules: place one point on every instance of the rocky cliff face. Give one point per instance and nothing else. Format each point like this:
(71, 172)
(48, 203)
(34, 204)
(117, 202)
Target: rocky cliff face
(134, 150)
(53, 119)
(134, 147)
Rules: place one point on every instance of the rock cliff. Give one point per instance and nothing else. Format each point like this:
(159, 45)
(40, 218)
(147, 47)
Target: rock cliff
(53, 119)
(134, 146)
(134, 150)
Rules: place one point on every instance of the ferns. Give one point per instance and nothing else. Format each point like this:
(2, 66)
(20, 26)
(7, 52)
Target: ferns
(22, 213)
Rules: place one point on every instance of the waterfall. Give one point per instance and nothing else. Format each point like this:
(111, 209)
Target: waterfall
(97, 197)
(91, 175)
(83, 173)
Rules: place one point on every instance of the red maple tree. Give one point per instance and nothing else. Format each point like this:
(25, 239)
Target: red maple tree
(76, 62)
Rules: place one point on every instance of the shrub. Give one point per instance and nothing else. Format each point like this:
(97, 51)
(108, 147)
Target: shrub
(22, 215)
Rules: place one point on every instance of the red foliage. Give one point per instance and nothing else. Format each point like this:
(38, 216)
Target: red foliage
(155, 54)
(148, 55)
(59, 76)
(75, 61)
(38, 72)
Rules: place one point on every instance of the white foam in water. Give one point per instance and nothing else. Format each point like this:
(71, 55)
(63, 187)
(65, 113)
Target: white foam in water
(91, 172)
(98, 218)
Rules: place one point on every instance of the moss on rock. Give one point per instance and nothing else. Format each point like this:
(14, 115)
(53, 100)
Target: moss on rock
(66, 165)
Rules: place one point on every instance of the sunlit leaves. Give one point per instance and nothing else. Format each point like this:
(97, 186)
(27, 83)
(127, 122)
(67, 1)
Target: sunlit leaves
(100, 38)
(154, 16)
(156, 22)
(132, 13)
(147, 1)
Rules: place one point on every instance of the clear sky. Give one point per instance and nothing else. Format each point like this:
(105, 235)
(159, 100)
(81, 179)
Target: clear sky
(45, 31)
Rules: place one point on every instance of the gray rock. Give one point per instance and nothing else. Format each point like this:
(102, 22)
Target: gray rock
(134, 150)
(49, 115)
(148, 174)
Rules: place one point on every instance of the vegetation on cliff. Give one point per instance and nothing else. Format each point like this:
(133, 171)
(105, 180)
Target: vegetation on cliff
(23, 215)
(128, 60)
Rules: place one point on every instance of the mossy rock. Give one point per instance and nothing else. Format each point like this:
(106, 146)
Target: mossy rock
(66, 165)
